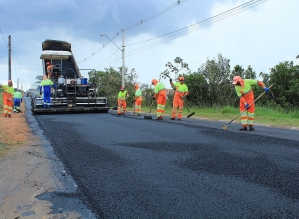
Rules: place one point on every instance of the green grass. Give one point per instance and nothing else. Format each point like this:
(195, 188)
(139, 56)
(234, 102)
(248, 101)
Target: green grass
(3, 148)
(263, 115)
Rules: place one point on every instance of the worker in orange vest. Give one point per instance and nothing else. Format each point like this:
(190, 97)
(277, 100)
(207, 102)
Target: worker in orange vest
(245, 93)
(8, 98)
(160, 95)
(181, 91)
(49, 69)
(122, 101)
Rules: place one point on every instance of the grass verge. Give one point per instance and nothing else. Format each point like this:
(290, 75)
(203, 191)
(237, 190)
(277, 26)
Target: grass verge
(263, 115)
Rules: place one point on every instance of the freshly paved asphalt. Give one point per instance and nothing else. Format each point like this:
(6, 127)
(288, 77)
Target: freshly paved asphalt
(129, 167)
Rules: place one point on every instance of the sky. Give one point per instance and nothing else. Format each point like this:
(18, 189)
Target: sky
(261, 36)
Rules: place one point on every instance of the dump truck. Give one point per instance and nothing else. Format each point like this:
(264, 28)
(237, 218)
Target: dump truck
(73, 92)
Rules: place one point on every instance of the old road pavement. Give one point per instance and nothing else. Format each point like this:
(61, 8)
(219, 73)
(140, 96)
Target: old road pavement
(129, 167)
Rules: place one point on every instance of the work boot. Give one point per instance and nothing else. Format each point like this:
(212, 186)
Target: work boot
(179, 119)
(251, 128)
(159, 118)
(244, 128)
(172, 118)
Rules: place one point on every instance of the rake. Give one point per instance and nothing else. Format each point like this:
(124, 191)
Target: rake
(190, 114)
(149, 116)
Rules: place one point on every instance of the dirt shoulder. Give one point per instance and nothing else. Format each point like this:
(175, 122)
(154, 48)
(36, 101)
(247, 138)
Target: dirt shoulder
(28, 172)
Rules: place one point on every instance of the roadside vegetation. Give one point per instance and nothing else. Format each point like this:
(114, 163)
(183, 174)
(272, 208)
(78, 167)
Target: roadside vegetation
(263, 115)
(12, 131)
(211, 93)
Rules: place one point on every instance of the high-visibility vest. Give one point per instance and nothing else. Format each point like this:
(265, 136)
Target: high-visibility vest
(8, 92)
(159, 86)
(180, 89)
(122, 95)
(246, 88)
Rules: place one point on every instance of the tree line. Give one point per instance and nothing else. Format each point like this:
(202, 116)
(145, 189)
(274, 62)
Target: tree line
(211, 85)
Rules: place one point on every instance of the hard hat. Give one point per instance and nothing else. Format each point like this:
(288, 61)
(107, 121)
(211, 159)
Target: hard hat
(122, 88)
(154, 81)
(181, 78)
(237, 79)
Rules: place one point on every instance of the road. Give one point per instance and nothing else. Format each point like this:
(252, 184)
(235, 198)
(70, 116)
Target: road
(129, 167)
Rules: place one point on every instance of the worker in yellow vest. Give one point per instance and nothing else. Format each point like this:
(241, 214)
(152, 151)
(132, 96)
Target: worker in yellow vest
(138, 100)
(8, 98)
(46, 85)
(17, 98)
(122, 101)
(181, 91)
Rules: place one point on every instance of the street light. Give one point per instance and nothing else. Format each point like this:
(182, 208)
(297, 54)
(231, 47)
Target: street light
(123, 58)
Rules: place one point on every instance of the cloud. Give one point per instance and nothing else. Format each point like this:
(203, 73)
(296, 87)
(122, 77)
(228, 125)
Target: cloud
(261, 37)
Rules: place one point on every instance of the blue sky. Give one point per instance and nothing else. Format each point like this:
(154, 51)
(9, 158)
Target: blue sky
(261, 36)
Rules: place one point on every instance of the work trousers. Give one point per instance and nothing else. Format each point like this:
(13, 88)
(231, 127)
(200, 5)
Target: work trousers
(122, 106)
(178, 103)
(17, 103)
(161, 102)
(247, 117)
(137, 105)
(47, 95)
(7, 107)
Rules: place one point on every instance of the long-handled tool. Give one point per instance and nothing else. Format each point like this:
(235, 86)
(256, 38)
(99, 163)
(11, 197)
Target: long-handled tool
(190, 114)
(224, 127)
(149, 116)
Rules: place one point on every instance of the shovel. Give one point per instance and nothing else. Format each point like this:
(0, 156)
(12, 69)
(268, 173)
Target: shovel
(149, 116)
(224, 127)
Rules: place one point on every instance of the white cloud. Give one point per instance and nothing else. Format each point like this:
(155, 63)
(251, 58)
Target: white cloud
(261, 37)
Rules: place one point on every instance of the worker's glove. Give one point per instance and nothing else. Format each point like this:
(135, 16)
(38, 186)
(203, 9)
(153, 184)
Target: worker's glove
(266, 89)
(246, 105)
(154, 98)
(170, 80)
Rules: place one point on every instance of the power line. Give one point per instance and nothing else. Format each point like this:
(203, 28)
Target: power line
(155, 15)
(142, 21)
(203, 21)
(193, 27)
(6, 43)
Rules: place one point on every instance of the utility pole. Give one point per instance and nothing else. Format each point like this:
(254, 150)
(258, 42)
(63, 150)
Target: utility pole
(123, 60)
(18, 83)
(9, 57)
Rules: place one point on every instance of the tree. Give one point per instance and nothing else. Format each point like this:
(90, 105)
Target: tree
(217, 73)
(285, 76)
(108, 83)
(198, 88)
(175, 69)
(249, 73)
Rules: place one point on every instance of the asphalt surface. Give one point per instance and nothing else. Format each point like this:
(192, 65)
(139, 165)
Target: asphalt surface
(130, 167)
